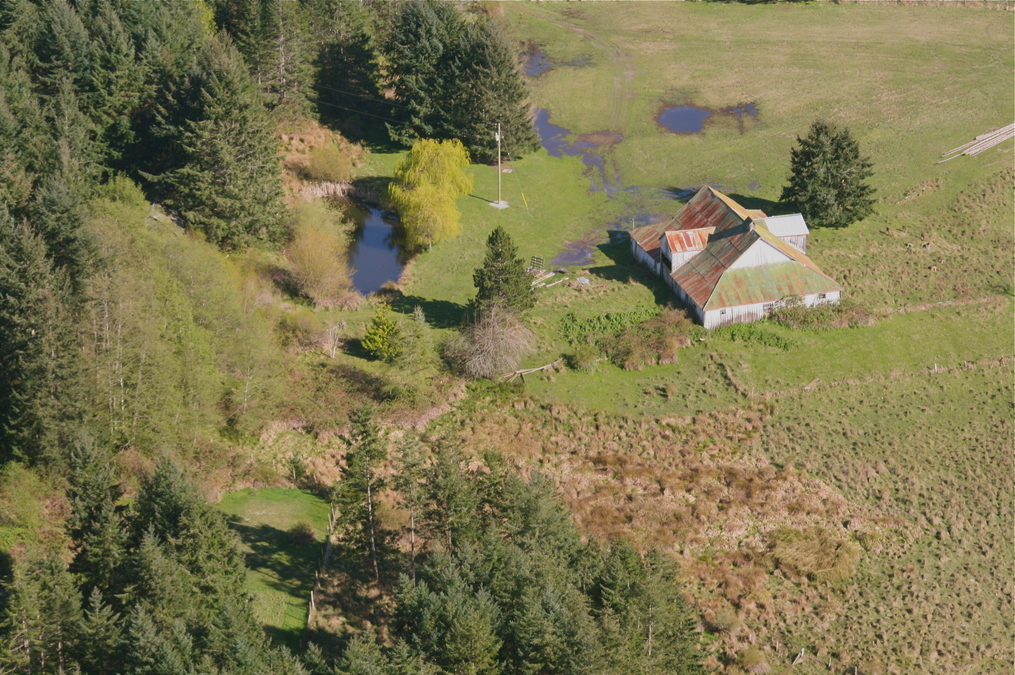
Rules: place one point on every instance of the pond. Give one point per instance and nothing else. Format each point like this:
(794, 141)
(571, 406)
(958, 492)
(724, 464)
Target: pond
(374, 253)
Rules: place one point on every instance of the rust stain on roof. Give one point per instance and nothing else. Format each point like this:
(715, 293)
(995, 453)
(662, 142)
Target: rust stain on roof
(681, 241)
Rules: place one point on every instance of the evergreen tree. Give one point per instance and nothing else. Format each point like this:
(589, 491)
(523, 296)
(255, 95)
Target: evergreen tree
(101, 634)
(381, 339)
(409, 484)
(39, 369)
(451, 500)
(501, 279)
(230, 187)
(455, 79)
(96, 524)
(356, 493)
(828, 179)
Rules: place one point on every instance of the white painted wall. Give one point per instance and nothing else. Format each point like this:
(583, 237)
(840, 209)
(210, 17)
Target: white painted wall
(679, 259)
(759, 253)
(714, 318)
(797, 241)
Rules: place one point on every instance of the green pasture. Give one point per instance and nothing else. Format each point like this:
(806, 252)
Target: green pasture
(281, 569)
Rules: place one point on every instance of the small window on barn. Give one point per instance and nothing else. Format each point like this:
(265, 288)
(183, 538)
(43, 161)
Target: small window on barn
(721, 312)
(821, 296)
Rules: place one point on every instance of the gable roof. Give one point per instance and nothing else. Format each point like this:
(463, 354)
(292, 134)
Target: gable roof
(649, 237)
(711, 208)
(711, 284)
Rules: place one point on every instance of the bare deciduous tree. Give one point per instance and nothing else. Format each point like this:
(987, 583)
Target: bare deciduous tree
(493, 345)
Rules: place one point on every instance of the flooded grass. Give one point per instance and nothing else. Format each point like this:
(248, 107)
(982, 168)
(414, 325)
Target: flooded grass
(690, 119)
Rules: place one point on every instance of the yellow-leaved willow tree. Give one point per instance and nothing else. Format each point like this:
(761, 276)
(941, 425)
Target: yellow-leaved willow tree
(427, 183)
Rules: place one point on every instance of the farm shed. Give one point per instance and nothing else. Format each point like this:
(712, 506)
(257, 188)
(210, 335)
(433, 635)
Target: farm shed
(731, 264)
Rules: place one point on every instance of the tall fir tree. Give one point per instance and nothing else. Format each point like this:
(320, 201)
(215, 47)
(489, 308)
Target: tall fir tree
(230, 187)
(39, 364)
(501, 279)
(455, 78)
(828, 177)
(357, 490)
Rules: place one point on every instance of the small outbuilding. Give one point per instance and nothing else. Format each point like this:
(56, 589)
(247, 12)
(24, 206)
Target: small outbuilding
(731, 264)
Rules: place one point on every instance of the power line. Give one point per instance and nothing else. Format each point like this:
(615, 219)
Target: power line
(369, 98)
(358, 112)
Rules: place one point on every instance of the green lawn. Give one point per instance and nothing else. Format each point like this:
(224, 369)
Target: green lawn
(282, 570)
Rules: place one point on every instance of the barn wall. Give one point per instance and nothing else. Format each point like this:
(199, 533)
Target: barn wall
(680, 258)
(797, 241)
(714, 318)
(642, 256)
(759, 253)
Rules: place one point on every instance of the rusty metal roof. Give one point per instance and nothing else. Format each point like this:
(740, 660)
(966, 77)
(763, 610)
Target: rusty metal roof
(649, 236)
(711, 208)
(681, 241)
(767, 283)
(709, 282)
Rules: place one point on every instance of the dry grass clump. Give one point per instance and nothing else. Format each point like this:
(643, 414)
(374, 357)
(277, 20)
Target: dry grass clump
(815, 553)
(753, 661)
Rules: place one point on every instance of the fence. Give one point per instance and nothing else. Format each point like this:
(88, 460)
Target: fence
(321, 567)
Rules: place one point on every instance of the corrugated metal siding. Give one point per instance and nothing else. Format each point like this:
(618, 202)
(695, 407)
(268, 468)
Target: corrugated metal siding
(798, 242)
(759, 253)
(699, 276)
(715, 318)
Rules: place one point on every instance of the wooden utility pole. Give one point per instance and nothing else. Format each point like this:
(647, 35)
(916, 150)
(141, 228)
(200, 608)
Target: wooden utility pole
(499, 172)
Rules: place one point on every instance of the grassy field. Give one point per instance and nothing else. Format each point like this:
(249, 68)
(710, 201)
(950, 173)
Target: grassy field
(281, 567)
(908, 433)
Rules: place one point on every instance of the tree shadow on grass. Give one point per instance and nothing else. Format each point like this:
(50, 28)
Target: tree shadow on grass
(439, 313)
(771, 208)
(287, 564)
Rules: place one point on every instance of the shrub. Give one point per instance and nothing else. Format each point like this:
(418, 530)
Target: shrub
(753, 334)
(299, 329)
(124, 191)
(794, 314)
(329, 163)
(656, 340)
(583, 357)
(317, 255)
(493, 345)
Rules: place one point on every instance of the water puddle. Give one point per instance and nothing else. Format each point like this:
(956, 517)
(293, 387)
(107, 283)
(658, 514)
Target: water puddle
(374, 252)
(536, 62)
(591, 148)
(690, 119)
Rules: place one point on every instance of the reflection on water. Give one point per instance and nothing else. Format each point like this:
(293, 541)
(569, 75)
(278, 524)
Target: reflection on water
(689, 119)
(374, 253)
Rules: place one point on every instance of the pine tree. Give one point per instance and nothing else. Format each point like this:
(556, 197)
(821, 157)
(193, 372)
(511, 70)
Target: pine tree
(501, 279)
(409, 484)
(456, 79)
(382, 336)
(39, 367)
(356, 493)
(96, 522)
(452, 501)
(828, 178)
(230, 187)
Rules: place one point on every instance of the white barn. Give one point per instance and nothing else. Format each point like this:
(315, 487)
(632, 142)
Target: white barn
(731, 264)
